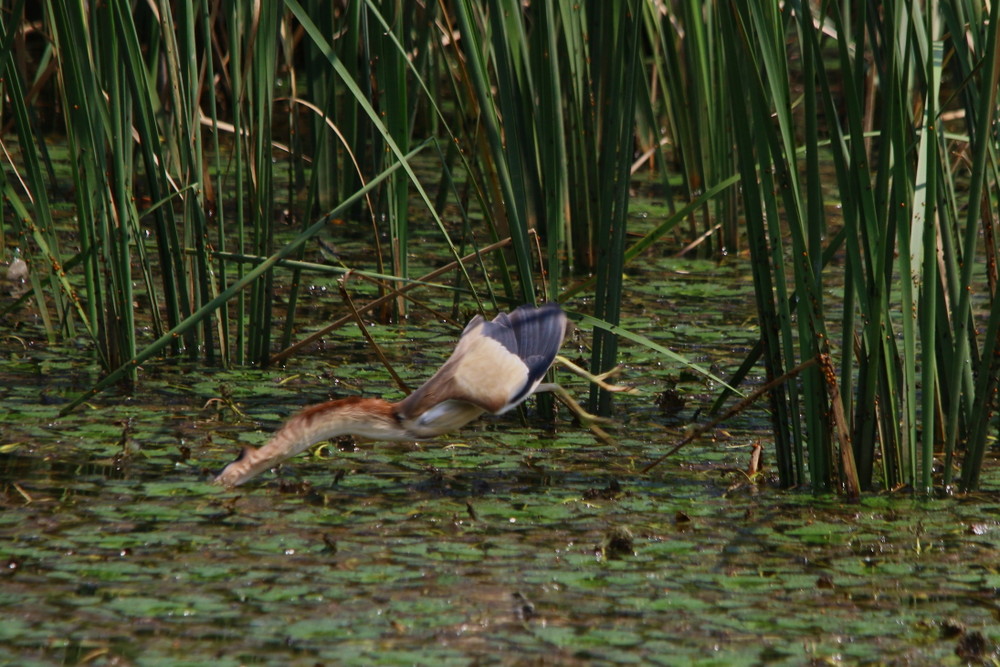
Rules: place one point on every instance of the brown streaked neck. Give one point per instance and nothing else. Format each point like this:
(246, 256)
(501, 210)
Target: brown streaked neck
(366, 417)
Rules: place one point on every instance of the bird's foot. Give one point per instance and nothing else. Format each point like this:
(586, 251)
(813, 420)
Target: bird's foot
(585, 418)
(600, 379)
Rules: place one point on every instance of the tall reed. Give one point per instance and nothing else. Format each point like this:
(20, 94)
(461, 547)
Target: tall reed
(904, 338)
(529, 118)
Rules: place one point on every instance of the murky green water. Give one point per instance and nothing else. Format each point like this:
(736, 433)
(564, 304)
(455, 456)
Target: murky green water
(512, 542)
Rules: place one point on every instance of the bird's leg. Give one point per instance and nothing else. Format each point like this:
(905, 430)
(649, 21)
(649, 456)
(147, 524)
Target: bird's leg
(599, 380)
(587, 419)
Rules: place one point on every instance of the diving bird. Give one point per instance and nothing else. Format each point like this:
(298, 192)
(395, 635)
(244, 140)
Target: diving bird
(495, 366)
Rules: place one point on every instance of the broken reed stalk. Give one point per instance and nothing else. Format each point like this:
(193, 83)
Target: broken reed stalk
(342, 286)
(385, 298)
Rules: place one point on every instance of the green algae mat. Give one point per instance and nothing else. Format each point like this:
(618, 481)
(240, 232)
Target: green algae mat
(515, 541)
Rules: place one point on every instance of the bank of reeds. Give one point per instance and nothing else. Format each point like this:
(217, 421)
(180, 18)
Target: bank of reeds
(902, 99)
(528, 116)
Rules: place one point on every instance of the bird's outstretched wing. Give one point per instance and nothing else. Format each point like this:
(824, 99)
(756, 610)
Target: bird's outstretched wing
(495, 366)
(539, 333)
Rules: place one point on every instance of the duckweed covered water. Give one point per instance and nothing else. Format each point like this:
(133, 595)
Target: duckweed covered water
(513, 542)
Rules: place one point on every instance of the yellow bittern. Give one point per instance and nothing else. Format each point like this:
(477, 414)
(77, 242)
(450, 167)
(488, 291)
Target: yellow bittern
(495, 366)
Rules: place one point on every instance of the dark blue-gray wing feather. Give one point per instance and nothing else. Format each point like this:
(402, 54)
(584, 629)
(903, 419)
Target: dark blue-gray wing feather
(481, 376)
(533, 334)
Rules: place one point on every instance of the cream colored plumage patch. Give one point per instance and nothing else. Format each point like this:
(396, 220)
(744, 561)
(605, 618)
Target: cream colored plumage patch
(489, 374)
